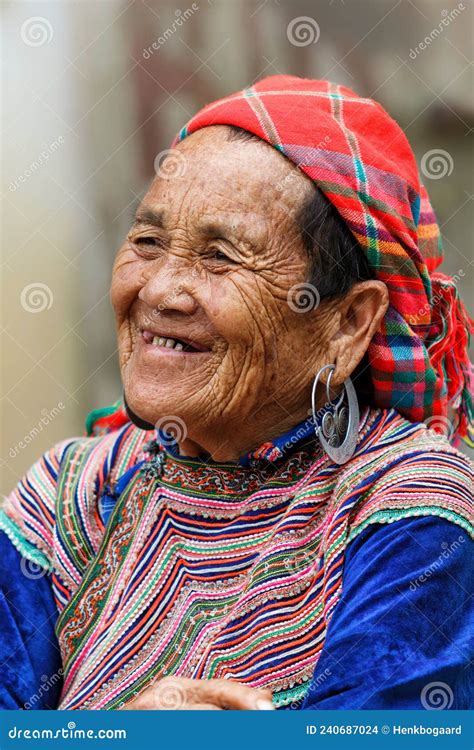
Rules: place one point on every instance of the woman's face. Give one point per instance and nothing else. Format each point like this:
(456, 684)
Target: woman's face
(211, 260)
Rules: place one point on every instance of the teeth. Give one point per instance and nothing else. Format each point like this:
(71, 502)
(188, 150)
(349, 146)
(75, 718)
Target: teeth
(167, 343)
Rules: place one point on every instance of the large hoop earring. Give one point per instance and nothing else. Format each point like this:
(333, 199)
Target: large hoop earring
(337, 427)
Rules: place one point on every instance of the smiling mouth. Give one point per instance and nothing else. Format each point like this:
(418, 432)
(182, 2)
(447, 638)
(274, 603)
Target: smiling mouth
(184, 346)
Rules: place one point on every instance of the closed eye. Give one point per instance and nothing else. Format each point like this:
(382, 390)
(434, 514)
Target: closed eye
(147, 241)
(220, 255)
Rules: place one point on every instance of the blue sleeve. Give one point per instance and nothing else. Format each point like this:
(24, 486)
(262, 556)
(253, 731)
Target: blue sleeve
(31, 674)
(400, 634)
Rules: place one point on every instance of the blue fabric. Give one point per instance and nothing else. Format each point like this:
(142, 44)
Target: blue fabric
(109, 497)
(31, 674)
(403, 622)
(284, 444)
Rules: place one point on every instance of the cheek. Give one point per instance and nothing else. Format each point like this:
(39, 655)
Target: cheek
(127, 280)
(237, 308)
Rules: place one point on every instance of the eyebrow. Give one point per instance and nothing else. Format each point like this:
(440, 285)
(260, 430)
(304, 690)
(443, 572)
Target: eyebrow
(148, 215)
(213, 229)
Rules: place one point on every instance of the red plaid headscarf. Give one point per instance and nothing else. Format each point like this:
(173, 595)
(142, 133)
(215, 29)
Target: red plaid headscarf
(360, 159)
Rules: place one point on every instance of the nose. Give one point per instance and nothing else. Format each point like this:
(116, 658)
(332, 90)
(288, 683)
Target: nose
(166, 288)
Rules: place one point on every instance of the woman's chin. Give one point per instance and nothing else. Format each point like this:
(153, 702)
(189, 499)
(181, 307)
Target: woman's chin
(153, 402)
(138, 421)
(150, 411)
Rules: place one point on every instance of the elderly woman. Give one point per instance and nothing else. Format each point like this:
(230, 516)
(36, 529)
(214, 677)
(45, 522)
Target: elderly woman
(270, 516)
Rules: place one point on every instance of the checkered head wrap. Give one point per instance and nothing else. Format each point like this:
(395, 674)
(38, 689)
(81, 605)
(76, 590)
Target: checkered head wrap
(359, 157)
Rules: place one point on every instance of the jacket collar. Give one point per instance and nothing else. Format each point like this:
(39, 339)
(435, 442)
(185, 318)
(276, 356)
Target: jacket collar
(270, 451)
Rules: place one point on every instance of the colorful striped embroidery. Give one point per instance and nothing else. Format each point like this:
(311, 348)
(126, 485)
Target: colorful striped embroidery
(212, 571)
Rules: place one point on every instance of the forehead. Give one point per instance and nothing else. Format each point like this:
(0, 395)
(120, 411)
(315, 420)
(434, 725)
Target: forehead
(207, 172)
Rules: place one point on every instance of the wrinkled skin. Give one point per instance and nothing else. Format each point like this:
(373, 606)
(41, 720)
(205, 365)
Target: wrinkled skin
(217, 268)
(185, 694)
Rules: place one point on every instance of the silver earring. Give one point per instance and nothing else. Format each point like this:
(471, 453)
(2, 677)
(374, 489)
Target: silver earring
(338, 424)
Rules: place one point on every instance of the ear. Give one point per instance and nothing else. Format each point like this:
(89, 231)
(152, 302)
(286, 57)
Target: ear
(361, 311)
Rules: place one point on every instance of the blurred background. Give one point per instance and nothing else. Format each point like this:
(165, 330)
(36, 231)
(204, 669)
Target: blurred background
(93, 92)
